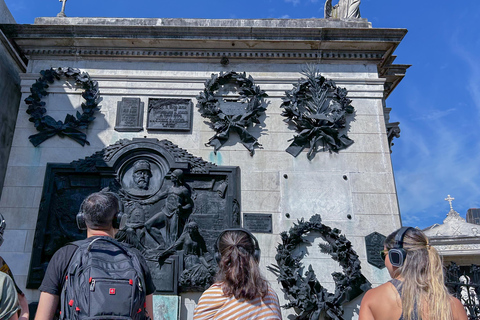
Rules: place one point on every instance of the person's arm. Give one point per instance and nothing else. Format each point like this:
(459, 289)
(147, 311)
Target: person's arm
(24, 313)
(458, 310)
(46, 306)
(14, 317)
(149, 307)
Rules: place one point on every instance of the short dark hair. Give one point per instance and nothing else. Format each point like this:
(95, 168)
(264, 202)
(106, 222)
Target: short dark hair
(99, 209)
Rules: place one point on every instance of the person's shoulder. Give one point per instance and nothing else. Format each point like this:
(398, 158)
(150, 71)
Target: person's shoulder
(384, 291)
(216, 287)
(6, 283)
(270, 290)
(4, 277)
(66, 250)
(457, 309)
(213, 293)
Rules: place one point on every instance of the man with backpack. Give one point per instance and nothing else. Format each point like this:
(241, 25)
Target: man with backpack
(99, 276)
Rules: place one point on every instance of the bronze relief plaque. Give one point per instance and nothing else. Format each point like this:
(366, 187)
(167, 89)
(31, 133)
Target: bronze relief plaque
(169, 114)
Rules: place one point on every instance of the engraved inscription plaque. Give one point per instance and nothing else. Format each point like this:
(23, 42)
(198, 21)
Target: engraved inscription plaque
(257, 222)
(374, 243)
(129, 115)
(165, 276)
(169, 114)
(233, 108)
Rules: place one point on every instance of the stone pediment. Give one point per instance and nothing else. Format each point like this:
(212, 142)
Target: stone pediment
(453, 226)
(455, 237)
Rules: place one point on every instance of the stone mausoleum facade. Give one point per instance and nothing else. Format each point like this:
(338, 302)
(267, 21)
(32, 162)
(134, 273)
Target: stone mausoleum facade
(145, 59)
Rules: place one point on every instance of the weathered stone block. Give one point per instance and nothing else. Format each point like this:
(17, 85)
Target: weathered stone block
(29, 176)
(325, 193)
(372, 182)
(260, 201)
(14, 240)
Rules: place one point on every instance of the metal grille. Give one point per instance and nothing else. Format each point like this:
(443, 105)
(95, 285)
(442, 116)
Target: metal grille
(464, 283)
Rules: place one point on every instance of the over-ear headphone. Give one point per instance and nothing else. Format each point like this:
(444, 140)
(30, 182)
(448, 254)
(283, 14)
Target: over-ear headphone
(3, 225)
(397, 254)
(256, 252)
(118, 219)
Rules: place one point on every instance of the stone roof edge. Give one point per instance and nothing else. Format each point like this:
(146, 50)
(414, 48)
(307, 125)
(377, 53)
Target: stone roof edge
(181, 22)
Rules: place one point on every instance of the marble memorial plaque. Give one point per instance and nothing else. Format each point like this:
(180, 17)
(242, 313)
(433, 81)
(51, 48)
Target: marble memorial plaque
(233, 108)
(258, 222)
(374, 243)
(169, 114)
(129, 115)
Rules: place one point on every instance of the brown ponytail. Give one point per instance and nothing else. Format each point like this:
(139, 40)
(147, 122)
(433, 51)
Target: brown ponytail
(238, 270)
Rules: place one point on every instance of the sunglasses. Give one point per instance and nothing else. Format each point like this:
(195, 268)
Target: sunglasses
(383, 254)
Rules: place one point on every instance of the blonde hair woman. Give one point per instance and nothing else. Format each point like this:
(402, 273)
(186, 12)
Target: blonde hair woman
(417, 289)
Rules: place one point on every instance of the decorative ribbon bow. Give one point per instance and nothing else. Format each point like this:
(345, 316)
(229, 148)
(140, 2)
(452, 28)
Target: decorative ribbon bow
(52, 128)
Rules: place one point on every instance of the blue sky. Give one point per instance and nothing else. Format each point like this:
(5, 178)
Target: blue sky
(437, 103)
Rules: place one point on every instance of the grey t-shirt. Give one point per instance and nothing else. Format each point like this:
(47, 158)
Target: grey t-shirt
(8, 297)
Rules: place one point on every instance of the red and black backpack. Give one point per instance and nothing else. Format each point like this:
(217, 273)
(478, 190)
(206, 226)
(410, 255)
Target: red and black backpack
(104, 280)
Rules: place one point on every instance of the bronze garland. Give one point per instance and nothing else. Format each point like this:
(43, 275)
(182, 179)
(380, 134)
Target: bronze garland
(317, 110)
(305, 293)
(49, 127)
(224, 124)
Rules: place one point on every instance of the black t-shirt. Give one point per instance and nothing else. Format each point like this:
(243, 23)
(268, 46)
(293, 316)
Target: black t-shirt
(57, 268)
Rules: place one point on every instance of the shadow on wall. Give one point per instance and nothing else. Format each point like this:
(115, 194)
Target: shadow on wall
(10, 94)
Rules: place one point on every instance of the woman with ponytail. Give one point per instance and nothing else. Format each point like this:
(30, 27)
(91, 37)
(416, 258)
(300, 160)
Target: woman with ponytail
(239, 291)
(417, 289)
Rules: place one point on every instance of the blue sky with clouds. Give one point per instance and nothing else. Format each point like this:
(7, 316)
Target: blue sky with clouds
(437, 103)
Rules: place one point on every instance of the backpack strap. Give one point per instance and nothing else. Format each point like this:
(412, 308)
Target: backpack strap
(112, 241)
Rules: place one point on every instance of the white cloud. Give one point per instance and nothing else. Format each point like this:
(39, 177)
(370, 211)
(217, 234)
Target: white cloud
(294, 2)
(436, 114)
(433, 158)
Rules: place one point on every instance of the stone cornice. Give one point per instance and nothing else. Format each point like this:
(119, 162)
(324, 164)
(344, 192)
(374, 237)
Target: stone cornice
(12, 52)
(207, 40)
(231, 36)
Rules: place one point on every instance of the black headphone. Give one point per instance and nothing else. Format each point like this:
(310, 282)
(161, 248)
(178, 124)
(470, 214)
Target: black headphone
(118, 221)
(3, 225)
(256, 253)
(397, 254)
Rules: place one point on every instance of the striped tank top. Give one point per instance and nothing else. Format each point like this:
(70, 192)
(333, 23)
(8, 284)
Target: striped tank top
(214, 305)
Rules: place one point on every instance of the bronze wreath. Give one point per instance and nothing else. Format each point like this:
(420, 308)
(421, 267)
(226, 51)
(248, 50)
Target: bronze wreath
(317, 109)
(305, 293)
(49, 127)
(209, 107)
